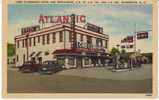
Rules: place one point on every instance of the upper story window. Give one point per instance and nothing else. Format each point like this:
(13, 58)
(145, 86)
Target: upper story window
(101, 42)
(48, 38)
(38, 39)
(97, 42)
(17, 43)
(61, 36)
(70, 36)
(89, 39)
(81, 38)
(26, 43)
(43, 42)
(106, 43)
(30, 42)
(23, 41)
(53, 37)
(34, 41)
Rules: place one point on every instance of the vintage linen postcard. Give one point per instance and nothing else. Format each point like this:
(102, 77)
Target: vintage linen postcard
(93, 49)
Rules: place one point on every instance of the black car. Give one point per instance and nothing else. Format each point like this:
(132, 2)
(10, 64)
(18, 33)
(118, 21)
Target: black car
(29, 67)
(50, 67)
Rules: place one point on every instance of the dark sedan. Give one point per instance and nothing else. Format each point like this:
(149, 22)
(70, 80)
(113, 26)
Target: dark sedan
(50, 67)
(29, 67)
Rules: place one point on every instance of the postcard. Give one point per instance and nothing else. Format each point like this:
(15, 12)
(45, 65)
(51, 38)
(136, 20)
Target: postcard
(80, 49)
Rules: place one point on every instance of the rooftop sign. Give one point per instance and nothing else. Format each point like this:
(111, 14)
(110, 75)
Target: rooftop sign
(30, 29)
(94, 28)
(61, 19)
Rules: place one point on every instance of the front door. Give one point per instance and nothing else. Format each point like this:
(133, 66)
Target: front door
(40, 60)
(79, 62)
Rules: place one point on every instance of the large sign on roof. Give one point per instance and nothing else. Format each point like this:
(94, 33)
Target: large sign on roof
(30, 29)
(61, 19)
(94, 28)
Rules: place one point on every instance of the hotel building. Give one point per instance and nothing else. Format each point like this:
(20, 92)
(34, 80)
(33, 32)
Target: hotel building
(71, 45)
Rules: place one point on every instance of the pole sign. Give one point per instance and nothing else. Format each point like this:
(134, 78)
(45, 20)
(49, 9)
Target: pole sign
(128, 39)
(61, 19)
(142, 35)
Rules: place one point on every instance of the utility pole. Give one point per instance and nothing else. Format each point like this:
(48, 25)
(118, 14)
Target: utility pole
(135, 37)
(27, 44)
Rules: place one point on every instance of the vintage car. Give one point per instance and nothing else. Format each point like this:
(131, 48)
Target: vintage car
(29, 67)
(50, 67)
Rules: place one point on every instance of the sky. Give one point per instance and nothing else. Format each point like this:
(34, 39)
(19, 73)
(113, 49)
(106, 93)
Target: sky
(118, 21)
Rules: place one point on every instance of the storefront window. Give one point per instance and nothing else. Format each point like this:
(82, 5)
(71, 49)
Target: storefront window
(86, 61)
(61, 60)
(71, 61)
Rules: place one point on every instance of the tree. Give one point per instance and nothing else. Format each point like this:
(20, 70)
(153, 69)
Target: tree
(114, 51)
(123, 51)
(10, 49)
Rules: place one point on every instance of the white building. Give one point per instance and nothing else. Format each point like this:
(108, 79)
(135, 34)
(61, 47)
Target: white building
(84, 49)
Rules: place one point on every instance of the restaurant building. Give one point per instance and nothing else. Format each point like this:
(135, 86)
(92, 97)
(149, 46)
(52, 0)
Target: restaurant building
(71, 45)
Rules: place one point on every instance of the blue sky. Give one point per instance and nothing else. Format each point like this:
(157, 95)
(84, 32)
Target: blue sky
(117, 20)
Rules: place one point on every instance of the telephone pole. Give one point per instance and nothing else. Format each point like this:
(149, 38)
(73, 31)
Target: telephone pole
(135, 37)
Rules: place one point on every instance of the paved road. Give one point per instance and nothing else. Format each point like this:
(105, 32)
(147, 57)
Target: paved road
(75, 81)
(142, 73)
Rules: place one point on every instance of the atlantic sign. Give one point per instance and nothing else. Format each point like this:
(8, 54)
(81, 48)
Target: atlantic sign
(61, 19)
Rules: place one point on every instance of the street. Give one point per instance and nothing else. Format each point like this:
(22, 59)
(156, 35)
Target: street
(85, 80)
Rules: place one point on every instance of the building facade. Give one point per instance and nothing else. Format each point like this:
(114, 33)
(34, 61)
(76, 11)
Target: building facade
(72, 47)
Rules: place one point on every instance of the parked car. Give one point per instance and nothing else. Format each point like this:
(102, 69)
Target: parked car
(50, 67)
(29, 67)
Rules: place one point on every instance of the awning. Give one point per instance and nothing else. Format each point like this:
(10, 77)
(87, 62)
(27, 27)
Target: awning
(74, 52)
(66, 51)
(38, 53)
(32, 54)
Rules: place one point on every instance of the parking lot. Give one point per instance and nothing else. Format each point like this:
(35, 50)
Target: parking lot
(86, 80)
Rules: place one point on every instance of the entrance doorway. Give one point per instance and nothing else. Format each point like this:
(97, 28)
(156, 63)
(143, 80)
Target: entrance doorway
(40, 60)
(79, 62)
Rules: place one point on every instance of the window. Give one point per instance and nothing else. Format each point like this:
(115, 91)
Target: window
(30, 42)
(89, 39)
(38, 39)
(81, 37)
(86, 61)
(53, 37)
(34, 41)
(46, 53)
(23, 43)
(101, 41)
(23, 58)
(48, 39)
(97, 42)
(43, 40)
(61, 60)
(106, 43)
(71, 61)
(18, 44)
(17, 58)
(61, 36)
(26, 43)
(70, 36)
